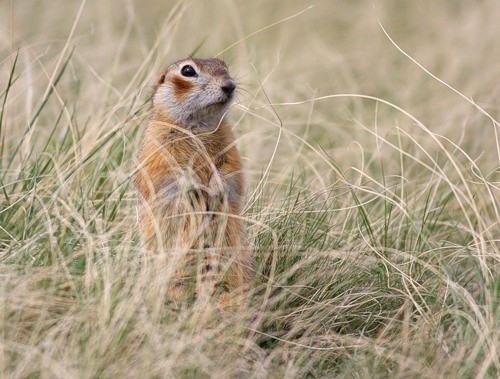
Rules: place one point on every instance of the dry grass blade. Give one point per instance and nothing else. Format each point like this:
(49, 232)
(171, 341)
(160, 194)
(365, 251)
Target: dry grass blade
(372, 209)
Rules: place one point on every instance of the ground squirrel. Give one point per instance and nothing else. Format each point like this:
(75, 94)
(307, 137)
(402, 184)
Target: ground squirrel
(191, 185)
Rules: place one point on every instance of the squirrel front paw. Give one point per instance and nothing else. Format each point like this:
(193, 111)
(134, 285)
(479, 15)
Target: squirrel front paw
(217, 193)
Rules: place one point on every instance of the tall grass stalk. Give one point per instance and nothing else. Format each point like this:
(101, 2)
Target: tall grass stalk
(372, 206)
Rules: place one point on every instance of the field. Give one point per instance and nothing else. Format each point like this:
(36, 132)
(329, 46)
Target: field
(370, 136)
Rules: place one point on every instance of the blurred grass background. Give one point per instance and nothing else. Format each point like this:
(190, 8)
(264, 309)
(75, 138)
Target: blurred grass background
(375, 222)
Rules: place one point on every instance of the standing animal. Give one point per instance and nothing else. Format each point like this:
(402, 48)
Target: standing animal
(191, 185)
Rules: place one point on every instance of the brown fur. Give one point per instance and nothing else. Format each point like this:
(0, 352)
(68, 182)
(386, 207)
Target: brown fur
(191, 189)
(181, 87)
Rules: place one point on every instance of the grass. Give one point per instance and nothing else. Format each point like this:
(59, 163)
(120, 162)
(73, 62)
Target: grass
(372, 156)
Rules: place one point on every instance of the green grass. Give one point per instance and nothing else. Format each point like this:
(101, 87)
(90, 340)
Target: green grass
(373, 169)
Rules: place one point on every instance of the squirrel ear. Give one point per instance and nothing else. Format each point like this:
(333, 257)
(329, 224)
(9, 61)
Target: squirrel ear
(162, 79)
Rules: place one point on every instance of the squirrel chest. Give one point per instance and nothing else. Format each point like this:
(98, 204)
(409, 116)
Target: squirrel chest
(170, 154)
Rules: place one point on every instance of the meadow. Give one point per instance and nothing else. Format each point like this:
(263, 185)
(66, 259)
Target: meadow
(370, 137)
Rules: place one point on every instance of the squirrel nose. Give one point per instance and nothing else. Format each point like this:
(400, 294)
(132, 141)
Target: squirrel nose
(228, 87)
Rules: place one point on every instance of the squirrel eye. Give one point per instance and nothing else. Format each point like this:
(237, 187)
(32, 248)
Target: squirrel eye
(188, 71)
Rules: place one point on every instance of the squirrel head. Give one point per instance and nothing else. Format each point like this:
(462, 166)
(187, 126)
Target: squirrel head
(194, 93)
